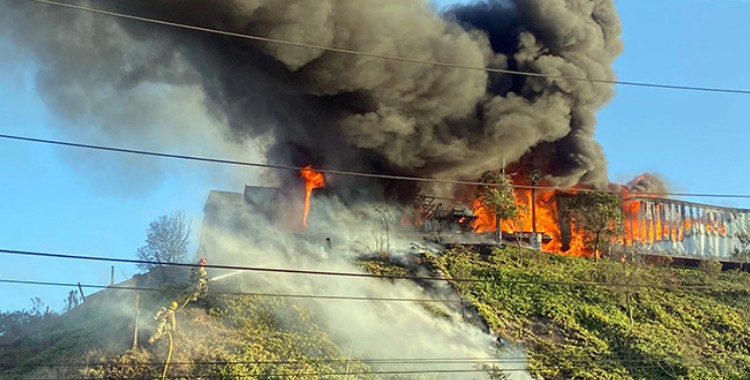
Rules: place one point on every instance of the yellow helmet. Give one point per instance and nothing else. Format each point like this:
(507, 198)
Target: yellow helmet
(173, 305)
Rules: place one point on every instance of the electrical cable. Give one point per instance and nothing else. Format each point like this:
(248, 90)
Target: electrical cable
(415, 361)
(287, 362)
(356, 275)
(362, 373)
(388, 57)
(343, 172)
(256, 294)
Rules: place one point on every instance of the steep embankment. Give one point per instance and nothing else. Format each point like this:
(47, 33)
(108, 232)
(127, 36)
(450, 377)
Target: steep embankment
(224, 336)
(577, 319)
(669, 328)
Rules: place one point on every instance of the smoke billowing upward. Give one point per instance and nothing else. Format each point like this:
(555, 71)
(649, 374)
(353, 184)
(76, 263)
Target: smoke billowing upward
(345, 111)
(648, 183)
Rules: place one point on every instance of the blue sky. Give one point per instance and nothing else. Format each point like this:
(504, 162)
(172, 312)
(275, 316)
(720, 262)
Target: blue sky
(695, 140)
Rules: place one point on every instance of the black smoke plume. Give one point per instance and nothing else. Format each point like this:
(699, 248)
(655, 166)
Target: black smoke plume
(344, 111)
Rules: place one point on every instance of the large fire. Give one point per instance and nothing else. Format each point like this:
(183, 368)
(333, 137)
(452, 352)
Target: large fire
(546, 217)
(659, 222)
(313, 180)
(647, 219)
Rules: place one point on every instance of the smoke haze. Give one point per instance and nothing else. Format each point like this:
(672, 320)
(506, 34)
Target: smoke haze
(240, 235)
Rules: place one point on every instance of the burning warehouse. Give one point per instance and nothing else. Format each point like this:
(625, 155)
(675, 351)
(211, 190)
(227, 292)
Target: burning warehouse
(649, 224)
(684, 229)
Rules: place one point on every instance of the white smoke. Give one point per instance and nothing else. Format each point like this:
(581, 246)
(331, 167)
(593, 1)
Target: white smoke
(373, 329)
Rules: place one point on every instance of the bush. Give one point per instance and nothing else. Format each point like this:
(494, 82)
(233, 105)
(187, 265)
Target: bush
(711, 270)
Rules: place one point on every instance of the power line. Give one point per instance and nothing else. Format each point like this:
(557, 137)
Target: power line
(391, 361)
(280, 295)
(338, 172)
(386, 56)
(354, 275)
(365, 373)
(416, 361)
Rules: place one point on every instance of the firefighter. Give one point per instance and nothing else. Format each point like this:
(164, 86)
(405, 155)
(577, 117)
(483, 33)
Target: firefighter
(165, 319)
(199, 277)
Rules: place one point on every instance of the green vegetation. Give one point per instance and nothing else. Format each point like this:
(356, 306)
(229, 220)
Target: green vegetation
(226, 336)
(599, 216)
(621, 331)
(631, 321)
(497, 195)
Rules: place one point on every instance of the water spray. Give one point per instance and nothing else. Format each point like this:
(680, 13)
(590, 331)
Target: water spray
(214, 279)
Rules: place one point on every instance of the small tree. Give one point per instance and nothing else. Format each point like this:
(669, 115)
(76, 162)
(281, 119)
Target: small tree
(497, 195)
(166, 241)
(742, 252)
(599, 216)
(625, 270)
(711, 270)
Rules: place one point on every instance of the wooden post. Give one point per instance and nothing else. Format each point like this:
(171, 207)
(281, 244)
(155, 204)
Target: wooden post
(80, 289)
(533, 210)
(498, 229)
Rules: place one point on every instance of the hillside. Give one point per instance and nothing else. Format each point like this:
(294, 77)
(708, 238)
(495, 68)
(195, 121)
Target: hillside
(227, 336)
(586, 332)
(682, 323)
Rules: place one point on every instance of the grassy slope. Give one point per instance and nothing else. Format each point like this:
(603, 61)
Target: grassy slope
(569, 331)
(585, 332)
(251, 336)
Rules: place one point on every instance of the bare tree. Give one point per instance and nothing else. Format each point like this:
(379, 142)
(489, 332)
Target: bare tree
(385, 218)
(72, 300)
(381, 238)
(166, 241)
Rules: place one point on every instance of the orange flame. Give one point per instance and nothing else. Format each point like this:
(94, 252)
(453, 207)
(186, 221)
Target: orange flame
(313, 180)
(546, 222)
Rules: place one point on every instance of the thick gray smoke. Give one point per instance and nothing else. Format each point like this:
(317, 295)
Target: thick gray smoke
(345, 111)
(648, 183)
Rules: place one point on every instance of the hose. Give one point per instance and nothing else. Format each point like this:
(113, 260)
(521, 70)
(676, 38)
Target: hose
(169, 356)
(187, 300)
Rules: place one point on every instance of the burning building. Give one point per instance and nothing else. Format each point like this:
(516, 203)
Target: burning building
(651, 225)
(682, 229)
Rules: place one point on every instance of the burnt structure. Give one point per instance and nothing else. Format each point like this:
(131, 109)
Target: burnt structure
(684, 229)
(669, 227)
(444, 215)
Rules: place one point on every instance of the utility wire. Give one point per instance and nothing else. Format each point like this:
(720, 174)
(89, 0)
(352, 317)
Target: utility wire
(310, 361)
(414, 361)
(388, 361)
(365, 373)
(386, 56)
(280, 295)
(339, 172)
(355, 275)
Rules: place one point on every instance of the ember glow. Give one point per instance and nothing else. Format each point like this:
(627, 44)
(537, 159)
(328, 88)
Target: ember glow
(313, 180)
